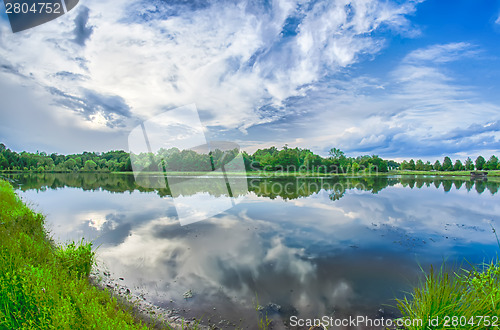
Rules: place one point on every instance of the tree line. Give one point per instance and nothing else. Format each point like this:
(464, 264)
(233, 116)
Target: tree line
(468, 165)
(267, 159)
(173, 159)
(111, 161)
(296, 159)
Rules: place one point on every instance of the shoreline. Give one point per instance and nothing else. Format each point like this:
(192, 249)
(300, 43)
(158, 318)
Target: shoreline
(154, 316)
(44, 284)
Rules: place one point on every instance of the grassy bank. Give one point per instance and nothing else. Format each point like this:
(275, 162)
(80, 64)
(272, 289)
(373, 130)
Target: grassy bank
(461, 300)
(43, 286)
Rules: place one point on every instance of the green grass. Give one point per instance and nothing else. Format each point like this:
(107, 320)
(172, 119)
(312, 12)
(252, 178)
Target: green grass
(44, 286)
(462, 300)
(263, 322)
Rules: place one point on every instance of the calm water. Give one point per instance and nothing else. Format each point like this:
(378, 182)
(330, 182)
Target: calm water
(317, 247)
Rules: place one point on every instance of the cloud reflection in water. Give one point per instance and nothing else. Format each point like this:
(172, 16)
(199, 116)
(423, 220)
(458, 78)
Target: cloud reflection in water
(310, 255)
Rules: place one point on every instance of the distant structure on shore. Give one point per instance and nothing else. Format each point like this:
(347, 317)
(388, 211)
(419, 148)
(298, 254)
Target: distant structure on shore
(479, 175)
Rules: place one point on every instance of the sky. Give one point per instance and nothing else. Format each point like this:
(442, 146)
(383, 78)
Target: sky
(400, 79)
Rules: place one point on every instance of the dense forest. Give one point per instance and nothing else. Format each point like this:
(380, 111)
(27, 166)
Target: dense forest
(268, 159)
(112, 161)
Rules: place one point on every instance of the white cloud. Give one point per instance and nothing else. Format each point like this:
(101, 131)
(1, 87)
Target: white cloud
(442, 53)
(232, 60)
(415, 113)
(245, 67)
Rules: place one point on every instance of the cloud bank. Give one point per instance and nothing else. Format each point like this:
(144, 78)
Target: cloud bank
(279, 72)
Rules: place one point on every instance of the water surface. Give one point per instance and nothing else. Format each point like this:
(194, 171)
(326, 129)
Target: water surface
(307, 247)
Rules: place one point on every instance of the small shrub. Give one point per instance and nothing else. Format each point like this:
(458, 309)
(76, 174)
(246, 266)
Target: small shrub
(77, 258)
(466, 296)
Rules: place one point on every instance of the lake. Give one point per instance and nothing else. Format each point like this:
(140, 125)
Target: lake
(307, 247)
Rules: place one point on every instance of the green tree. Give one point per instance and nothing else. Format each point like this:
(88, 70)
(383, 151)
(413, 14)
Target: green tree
(392, 165)
(437, 166)
(379, 163)
(339, 159)
(458, 165)
(288, 158)
(268, 161)
(70, 164)
(90, 165)
(336, 153)
(79, 162)
(312, 161)
(492, 163)
(480, 162)
(4, 164)
(265, 158)
(419, 166)
(128, 164)
(447, 164)
(355, 167)
(411, 165)
(469, 165)
(111, 165)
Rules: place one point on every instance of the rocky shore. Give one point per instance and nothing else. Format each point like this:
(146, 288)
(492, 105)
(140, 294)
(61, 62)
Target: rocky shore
(155, 316)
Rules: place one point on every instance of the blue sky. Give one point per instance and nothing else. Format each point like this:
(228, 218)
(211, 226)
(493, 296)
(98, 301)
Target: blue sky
(401, 79)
